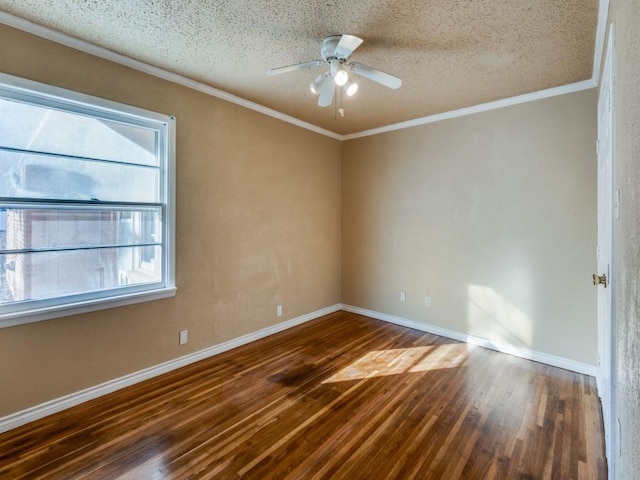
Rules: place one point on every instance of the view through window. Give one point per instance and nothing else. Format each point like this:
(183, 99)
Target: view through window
(84, 202)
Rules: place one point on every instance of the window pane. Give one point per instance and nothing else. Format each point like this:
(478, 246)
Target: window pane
(42, 176)
(31, 127)
(44, 275)
(60, 227)
(86, 202)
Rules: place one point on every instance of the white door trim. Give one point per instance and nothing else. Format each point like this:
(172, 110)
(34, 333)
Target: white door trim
(605, 162)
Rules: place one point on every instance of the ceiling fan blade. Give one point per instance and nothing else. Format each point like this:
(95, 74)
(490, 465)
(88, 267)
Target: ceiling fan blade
(326, 92)
(347, 45)
(293, 68)
(376, 75)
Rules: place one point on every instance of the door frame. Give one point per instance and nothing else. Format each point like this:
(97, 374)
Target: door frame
(606, 217)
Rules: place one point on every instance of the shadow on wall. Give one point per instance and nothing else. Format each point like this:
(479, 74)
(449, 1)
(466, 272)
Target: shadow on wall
(496, 319)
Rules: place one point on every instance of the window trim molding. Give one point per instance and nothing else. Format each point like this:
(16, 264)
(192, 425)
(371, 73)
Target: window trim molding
(57, 311)
(57, 96)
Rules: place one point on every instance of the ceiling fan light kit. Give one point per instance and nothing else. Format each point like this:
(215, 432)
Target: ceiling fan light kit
(336, 51)
(341, 76)
(315, 85)
(351, 88)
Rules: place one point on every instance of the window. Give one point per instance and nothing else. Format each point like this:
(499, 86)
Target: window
(86, 203)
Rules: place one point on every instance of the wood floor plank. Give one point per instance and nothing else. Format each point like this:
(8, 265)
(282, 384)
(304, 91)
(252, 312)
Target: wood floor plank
(340, 397)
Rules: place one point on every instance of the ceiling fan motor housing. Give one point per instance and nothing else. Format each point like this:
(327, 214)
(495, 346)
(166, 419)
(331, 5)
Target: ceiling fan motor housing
(328, 50)
(336, 51)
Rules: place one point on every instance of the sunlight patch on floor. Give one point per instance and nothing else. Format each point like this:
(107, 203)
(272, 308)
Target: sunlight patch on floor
(380, 363)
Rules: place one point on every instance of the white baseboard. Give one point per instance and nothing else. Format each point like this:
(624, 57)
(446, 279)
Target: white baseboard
(502, 347)
(48, 408)
(23, 417)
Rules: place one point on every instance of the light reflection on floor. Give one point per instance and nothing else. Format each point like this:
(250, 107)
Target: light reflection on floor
(151, 469)
(380, 363)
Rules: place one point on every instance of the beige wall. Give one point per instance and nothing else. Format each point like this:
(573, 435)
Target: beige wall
(625, 14)
(258, 224)
(492, 215)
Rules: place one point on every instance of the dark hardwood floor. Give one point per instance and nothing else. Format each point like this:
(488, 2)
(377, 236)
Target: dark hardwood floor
(341, 397)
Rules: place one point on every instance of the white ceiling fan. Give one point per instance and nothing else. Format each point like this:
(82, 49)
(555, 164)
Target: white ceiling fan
(336, 51)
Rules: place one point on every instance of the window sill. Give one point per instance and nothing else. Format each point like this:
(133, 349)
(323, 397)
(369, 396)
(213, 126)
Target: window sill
(41, 314)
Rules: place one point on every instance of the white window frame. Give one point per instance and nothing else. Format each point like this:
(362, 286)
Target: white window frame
(20, 89)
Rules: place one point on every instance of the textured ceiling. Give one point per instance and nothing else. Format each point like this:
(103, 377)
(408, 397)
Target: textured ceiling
(450, 54)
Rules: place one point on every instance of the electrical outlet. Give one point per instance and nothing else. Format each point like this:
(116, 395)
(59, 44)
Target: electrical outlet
(184, 337)
(279, 310)
(427, 301)
(403, 296)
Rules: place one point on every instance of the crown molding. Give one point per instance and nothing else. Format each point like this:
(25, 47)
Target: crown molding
(601, 31)
(90, 48)
(69, 41)
(507, 102)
